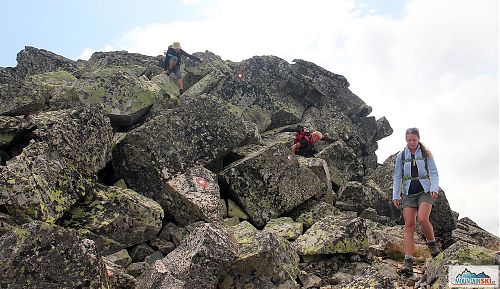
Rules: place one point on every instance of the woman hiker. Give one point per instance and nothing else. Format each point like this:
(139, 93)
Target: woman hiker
(415, 188)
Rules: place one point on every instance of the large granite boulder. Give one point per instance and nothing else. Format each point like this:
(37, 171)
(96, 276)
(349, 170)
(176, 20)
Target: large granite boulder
(333, 235)
(7, 224)
(32, 61)
(41, 255)
(313, 211)
(19, 97)
(269, 83)
(384, 129)
(460, 253)
(263, 259)
(267, 183)
(125, 96)
(134, 61)
(199, 262)
(468, 231)
(204, 85)
(12, 128)
(57, 88)
(120, 214)
(58, 166)
(338, 126)
(39, 76)
(284, 227)
(198, 132)
(343, 163)
(334, 87)
(320, 168)
(195, 196)
(37, 92)
(356, 196)
(203, 77)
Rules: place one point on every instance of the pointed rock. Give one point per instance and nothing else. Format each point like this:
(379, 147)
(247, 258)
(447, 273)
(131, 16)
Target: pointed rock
(468, 231)
(343, 165)
(32, 61)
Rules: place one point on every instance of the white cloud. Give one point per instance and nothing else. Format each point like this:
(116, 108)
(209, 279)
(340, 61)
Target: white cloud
(435, 67)
(86, 54)
(190, 2)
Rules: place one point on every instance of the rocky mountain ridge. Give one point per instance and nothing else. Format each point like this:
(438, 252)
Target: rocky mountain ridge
(111, 179)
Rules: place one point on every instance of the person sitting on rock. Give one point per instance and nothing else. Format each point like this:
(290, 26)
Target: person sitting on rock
(173, 62)
(304, 143)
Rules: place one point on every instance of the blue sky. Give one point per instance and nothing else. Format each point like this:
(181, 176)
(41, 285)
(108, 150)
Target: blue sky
(67, 27)
(420, 63)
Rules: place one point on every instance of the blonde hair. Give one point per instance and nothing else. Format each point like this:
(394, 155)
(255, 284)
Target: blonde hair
(318, 134)
(425, 151)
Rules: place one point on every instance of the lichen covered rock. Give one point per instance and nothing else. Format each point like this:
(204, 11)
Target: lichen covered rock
(284, 227)
(268, 184)
(58, 166)
(460, 253)
(313, 211)
(41, 255)
(333, 235)
(263, 258)
(194, 196)
(197, 132)
(125, 97)
(197, 264)
(119, 214)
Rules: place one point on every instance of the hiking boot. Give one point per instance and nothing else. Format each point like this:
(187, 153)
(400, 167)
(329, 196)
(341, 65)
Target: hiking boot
(407, 266)
(181, 91)
(433, 247)
(167, 72)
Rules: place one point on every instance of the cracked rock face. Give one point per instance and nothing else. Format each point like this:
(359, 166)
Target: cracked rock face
(199, 262)
(200, 130)
(58, 166)
(122, 215)
(196, 194)
(263, 258)
(268, 184)
(41, 255)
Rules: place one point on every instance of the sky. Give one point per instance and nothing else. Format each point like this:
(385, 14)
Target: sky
(420, 63)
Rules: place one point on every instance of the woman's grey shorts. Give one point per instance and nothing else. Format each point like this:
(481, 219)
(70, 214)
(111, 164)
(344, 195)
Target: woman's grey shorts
(414, 200)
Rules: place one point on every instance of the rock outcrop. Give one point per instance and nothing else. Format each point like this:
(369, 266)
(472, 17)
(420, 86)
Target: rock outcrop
(41, 255)
(105, 158)
(58, 166)
(198, 263)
